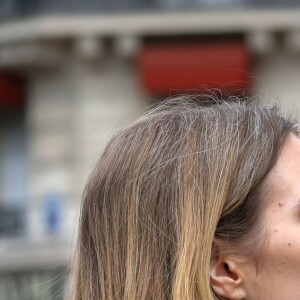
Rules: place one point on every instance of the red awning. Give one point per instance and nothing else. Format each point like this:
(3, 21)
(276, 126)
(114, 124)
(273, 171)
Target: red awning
(167, 68)
(12, 90)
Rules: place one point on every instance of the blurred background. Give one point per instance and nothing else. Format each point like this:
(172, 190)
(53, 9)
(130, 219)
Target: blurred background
(72, 71)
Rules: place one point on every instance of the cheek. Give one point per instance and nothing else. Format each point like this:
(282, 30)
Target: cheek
(285, 242)
(281, 259)
(283, 247)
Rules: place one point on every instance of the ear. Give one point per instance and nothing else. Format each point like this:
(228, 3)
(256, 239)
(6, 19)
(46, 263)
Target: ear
(226, 275)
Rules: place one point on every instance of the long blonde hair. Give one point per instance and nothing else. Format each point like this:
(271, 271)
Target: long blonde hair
(187, 170)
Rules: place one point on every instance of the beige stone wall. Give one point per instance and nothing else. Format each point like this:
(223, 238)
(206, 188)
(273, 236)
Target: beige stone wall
(277, 79)
(72, 112)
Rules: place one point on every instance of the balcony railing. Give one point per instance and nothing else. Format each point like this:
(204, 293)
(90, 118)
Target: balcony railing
(20, 8)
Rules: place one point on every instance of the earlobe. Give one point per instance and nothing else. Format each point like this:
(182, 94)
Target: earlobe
(225, 278)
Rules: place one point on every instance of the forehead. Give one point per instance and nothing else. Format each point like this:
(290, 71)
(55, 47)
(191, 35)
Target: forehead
(284, 178)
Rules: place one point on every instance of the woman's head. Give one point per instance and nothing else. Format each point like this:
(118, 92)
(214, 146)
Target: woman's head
(174, 208)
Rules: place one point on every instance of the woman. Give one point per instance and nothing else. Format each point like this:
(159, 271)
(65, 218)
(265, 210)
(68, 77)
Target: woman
(195, 200)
